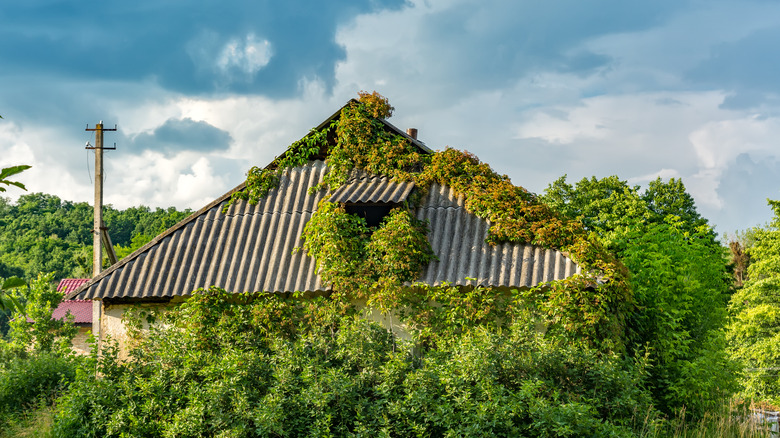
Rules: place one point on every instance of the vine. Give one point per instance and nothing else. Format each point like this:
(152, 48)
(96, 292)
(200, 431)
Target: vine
(356, 260)
(361, 262)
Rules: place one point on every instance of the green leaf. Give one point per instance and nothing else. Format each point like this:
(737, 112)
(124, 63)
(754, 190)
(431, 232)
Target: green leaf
(12, 283)
(10, 171)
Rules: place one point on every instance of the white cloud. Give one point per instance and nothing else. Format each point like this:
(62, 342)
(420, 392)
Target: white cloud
(195, 188)
(247, 56)
(718, 142)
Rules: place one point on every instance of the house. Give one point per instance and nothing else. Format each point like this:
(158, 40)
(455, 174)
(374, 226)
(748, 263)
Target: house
(242, 247)
(81, 311)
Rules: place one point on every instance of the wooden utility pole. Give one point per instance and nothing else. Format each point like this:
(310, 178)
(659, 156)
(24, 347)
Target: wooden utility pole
(100, 233)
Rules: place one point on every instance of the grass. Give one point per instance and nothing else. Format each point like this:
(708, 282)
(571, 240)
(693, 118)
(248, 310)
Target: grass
(735, 420)
(34, 423)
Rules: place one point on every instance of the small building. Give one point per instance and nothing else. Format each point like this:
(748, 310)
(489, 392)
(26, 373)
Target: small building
(81, 311)
(249, 248)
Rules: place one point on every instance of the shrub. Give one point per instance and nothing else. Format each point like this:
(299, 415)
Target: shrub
(24, 383)
(263, 365)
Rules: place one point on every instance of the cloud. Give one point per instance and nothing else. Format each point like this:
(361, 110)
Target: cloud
(228, 60)
(182, 180)
(247, 56)
(181, 134)
(744, 186)
(455, 48)
(166, 42)
(536, 89)
(748, 67)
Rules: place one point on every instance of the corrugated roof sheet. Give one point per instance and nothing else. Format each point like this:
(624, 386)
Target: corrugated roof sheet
(250, 248)
(458, 238)
(372, 189)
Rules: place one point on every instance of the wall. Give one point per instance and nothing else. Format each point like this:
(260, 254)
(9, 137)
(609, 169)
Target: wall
(80, 345)
(111, 324)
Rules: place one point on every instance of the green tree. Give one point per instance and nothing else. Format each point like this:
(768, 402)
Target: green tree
(42, 233)
(34, 330)
(679, 279)
(754, 332)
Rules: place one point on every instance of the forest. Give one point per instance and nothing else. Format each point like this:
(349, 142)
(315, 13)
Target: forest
(677, 336)
(40, 233)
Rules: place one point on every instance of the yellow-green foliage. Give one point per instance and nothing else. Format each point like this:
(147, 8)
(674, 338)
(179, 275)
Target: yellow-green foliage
(592, 305)
(754, 333)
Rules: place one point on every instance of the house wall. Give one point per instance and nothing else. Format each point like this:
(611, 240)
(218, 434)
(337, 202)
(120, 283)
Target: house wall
(80, 345)
(111, 324)
(390, 321)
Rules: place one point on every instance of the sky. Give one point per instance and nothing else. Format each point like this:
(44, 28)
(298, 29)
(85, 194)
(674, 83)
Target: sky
(202, 91)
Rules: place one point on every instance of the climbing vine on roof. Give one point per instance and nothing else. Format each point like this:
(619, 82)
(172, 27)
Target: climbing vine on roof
(592, 304)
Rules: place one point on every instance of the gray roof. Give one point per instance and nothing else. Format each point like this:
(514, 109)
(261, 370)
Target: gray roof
(458, 239)
(372, 189)
(251, 248)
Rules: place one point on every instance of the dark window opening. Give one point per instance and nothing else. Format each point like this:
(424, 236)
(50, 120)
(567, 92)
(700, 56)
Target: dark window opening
(373, 214)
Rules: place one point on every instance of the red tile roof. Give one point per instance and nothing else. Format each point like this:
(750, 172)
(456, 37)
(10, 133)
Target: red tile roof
(70, 284)
(81, 310)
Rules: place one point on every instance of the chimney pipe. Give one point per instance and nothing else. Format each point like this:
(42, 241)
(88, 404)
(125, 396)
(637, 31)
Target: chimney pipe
(412, 132)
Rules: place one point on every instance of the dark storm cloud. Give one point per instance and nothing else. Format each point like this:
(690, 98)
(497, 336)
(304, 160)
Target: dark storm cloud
(749, 68)
(148, 39)
(494, 44)
(180, 135)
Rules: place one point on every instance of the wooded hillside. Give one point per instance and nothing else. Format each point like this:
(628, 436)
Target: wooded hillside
(42, 233)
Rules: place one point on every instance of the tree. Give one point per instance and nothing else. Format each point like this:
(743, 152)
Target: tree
(42, 233)
(678, 276)
(42, 333)
(754, 332)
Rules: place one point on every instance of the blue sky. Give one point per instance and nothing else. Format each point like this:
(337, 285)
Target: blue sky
(202, 91)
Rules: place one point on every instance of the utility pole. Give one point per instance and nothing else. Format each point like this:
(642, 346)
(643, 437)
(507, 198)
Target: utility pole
(100, 233)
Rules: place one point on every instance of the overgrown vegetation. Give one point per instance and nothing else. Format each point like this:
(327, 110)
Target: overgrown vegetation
(590, 307)
(754, 332)
(36, 363)
(240, 365)
(620, 350)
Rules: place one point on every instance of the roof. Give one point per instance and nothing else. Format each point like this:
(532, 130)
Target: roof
(251, 248)
(81, 310)
(70, 284)
(372, 189)
(389, 127)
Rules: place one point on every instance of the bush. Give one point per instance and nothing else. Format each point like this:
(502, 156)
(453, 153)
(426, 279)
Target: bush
(25, 383)
(241, 365)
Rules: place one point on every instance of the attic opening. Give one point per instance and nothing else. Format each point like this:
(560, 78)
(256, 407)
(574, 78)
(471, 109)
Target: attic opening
(372, 213)
(372, 196)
